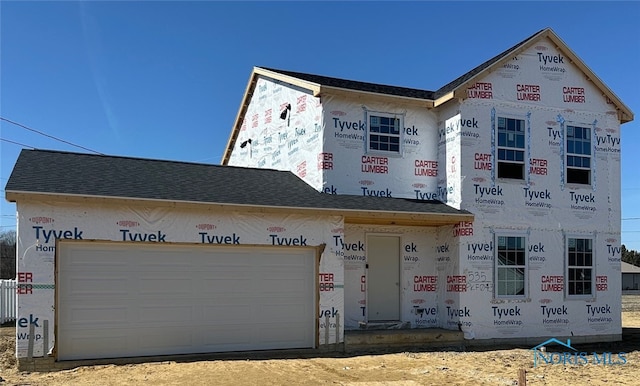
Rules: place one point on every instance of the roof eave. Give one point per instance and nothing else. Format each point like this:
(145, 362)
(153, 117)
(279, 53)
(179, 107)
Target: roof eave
(340, 91)
(444, 99)
(405, 218)
(351, 216)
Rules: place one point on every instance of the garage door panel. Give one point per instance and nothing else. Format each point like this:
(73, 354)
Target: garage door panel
(163, 339)
(226, 285)
(227, 313)
(177, 299)
(163, 284)
(284, 285)
(226, 334)
(101, 346)
(164, 313)
(114, 286)
(229, 258)
(98, 315)
(95, 259)
(274, 333)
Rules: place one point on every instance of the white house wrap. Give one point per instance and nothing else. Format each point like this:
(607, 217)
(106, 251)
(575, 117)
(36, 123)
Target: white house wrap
(450, 149)
(491, 205)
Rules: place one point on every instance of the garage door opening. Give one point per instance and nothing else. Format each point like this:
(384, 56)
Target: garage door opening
(118, 299)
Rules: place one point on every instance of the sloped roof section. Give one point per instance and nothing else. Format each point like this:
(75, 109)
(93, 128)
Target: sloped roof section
(87, 175)
(52, 172)
(317, 84)
(465, 78)
(629, 268)
(457, 88)
(357, 86)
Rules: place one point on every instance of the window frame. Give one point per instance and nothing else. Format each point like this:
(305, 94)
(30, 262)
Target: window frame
(506, 149)
(580, 156)
(370, 133)
(569, 267)
(498, 266)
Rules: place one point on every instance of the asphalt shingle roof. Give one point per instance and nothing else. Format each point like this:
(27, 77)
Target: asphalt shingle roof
(65, 173)
(357, 85)
(475, 71)
(401, 91)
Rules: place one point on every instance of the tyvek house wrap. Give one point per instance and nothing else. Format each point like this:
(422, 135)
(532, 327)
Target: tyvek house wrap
(427, 269)
(39, 224)
(450, 153)
(549, 94)
(282, 129)
(412, 174)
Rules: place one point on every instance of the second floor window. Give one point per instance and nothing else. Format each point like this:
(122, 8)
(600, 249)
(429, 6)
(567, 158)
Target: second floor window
(578, 155)
(384, 133)
(511, 148)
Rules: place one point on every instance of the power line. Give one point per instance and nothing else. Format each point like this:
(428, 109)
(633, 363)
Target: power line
(48, 136)
(631, 218)
(16, 143)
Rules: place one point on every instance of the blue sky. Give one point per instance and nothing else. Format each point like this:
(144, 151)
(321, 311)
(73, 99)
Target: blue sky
(165, 79)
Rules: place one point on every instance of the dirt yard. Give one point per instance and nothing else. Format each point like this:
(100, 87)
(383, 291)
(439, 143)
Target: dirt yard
(479, 367)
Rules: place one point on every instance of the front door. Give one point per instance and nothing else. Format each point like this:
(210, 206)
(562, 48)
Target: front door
(383, 278)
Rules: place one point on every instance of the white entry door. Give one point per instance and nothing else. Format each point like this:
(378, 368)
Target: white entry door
(383, 278)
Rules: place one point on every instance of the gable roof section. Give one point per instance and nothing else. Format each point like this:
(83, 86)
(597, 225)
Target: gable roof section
(457, 88)
(317, 84)
(57, 174)
(467, 79)
(629, 268)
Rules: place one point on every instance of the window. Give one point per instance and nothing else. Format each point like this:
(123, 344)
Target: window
(511, 148)
(511, 267)
(384, 133)
(579, 266)
(578, 155)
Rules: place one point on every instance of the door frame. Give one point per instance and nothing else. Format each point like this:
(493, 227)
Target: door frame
(400, 291)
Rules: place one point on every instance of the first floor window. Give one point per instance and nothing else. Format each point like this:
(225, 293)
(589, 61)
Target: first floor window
(511, 267)
(511, 145)
(384, 133)
(579, 266)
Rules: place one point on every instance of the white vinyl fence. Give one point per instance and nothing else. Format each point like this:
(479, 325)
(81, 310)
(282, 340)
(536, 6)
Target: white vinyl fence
(8, 300)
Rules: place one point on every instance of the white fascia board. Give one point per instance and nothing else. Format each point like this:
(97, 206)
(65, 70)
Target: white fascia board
(357, 215)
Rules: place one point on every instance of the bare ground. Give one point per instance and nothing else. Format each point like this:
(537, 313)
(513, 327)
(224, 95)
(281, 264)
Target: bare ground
(452, 367)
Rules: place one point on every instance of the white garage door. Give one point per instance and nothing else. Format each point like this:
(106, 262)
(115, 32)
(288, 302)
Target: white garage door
(131, 299)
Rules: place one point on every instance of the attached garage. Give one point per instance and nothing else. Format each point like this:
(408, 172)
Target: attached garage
(118, 299)
(125, 257)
